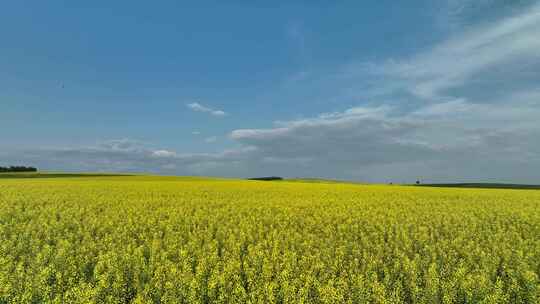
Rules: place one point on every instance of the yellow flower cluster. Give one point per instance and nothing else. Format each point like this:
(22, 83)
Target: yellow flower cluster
(181, 240)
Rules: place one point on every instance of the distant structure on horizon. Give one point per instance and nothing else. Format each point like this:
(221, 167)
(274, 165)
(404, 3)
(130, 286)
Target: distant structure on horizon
(266, 178)
(18, 169)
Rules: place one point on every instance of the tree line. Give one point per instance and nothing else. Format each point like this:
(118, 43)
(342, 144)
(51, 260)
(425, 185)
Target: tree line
(18, 169)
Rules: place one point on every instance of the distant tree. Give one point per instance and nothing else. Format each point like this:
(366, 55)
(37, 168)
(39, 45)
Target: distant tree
(418, 182)
(18, 169)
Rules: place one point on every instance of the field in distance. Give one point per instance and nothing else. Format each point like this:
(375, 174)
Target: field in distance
(148, 239)
(54, 174)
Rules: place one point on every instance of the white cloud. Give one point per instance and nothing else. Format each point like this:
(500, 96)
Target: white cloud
(210, 139)
(453, 141)
(456, 135)
(456, 14)
(163, 153)
(124, 144)
(445, 108)
(106, 157)
(197, 107)
(458, 60)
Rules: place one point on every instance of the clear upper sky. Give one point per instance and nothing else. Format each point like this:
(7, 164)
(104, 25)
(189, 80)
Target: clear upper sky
(382, 91)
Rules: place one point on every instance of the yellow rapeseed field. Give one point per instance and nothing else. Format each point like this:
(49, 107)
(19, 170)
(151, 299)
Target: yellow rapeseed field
(138, 239)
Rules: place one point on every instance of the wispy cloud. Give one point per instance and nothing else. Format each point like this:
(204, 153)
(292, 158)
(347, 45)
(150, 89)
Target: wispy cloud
(211, 139)
(163, 153)
(455, 140)
(128, 158)
(197, 107)
(464, 138)
(456, 62)
(452, 122)
(455, 14)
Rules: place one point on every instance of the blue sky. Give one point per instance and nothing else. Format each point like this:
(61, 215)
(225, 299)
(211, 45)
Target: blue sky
(368, 90)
